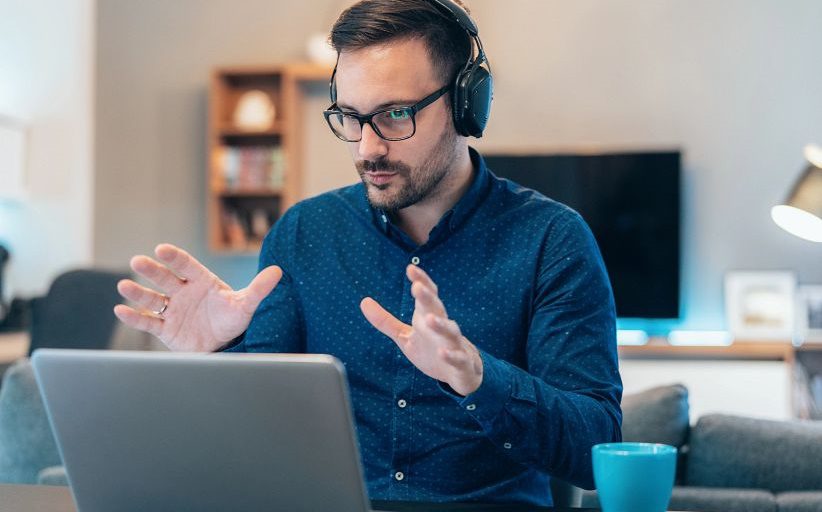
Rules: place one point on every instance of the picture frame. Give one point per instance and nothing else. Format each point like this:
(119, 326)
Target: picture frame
(761, 305)
(809, 314)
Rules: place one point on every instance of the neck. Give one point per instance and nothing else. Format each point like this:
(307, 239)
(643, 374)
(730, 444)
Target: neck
(419, 219)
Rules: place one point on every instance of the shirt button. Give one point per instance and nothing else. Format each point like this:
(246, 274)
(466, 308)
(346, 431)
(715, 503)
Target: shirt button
(507, 446)
(399, 476)
(415, 260)
(402, 403)
(470, 407)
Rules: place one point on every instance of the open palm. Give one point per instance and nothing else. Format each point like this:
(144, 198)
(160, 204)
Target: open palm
(194, 310)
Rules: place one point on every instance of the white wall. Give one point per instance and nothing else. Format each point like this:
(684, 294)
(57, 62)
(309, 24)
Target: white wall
(46, 81)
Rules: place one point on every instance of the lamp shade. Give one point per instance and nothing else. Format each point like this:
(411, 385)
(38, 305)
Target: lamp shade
(801, 214)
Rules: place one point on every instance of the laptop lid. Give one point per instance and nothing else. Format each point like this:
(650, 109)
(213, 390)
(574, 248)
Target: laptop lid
(209, 432)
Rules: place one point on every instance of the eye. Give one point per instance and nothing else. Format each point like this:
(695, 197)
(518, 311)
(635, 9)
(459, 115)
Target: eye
(399, 114)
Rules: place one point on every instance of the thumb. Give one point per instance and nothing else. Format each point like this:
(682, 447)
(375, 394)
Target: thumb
(261, 286)
(382, 320)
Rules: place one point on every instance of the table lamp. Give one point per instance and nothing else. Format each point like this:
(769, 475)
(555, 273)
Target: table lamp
(801, 213)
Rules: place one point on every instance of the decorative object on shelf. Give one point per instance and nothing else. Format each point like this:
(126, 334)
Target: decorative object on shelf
(809, 314)
(12, 159)
(254, 112)
(801, 214)
(759, 305)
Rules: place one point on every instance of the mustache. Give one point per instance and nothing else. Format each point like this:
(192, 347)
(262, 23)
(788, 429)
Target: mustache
(382, 165)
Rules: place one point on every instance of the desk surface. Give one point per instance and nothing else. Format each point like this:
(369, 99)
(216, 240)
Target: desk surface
(42, 498)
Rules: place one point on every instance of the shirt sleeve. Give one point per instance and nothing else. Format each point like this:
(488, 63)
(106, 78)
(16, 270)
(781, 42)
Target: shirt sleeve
(277, 325)
(568, 400)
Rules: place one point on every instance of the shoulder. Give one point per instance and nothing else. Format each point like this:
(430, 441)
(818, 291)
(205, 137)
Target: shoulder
(525, 205)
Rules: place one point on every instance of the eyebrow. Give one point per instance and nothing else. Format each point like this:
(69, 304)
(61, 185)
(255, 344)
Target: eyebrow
(381, 106)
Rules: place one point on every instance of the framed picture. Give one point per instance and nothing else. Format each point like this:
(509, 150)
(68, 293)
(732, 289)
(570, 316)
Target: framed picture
(760, 306)
(809, 313)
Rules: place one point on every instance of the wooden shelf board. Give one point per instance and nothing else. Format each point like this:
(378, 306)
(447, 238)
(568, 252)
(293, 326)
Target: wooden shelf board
(251, 192)
(753, 350)
(275, 131)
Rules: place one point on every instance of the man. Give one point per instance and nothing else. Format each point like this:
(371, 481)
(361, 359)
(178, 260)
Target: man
(503, 367)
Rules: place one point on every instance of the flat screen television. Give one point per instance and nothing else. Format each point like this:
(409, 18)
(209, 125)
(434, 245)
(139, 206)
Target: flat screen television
(631, 201)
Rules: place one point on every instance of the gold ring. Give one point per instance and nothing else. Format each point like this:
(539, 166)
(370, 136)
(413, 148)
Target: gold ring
(163, 309)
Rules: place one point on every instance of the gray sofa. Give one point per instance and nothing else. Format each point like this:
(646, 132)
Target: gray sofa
(728, 463)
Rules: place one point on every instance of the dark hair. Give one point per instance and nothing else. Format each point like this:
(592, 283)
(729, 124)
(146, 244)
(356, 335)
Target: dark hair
(373, 22)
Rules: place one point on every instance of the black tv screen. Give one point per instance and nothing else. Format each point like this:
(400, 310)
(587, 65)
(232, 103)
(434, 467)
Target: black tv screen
(632, 203)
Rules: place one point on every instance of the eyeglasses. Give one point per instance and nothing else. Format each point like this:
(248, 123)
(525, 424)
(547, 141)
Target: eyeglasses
(396, 123)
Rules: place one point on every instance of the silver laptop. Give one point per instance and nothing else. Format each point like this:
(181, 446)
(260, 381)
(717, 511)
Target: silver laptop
(142, 431)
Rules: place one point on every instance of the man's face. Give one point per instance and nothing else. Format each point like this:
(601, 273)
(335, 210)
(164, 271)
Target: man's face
(397, 174)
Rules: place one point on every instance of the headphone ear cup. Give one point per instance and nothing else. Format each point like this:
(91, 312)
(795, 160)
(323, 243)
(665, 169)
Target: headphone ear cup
(472, 106)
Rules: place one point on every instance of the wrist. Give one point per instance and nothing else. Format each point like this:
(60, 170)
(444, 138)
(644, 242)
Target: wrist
(469, 379)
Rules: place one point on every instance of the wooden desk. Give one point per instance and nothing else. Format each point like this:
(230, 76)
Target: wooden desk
(41, 498)
(13, 346)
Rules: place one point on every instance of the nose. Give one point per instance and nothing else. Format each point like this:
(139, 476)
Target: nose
(371, 146)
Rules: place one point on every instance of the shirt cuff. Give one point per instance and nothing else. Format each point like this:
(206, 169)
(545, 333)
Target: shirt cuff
(489, 400)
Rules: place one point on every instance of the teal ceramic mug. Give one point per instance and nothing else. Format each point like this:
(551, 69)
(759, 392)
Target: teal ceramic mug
(634, 477)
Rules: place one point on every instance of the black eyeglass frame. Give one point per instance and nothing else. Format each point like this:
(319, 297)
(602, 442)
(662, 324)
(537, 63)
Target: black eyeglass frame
(364, 119)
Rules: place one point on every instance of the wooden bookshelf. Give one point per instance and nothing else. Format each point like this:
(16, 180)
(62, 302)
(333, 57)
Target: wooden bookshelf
(254, 175)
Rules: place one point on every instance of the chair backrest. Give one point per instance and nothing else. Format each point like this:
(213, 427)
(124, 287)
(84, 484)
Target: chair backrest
(27, 443)
(77, 311)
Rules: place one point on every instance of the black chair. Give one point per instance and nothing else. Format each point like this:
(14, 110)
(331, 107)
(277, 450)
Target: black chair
(77, 311)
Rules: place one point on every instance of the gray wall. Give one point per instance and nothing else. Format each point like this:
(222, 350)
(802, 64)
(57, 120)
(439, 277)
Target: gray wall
(734, 83)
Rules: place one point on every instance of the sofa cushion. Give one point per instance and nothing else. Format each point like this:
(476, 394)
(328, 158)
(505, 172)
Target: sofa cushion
(706, 499)
(731, 451)
(800, 501)
(657, 415)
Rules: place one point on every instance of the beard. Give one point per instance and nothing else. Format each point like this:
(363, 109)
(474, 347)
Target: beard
(416, 183)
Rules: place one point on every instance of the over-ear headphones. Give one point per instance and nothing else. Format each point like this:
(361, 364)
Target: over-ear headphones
(473, 87)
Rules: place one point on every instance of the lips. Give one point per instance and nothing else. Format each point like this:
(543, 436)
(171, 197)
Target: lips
(379, 178)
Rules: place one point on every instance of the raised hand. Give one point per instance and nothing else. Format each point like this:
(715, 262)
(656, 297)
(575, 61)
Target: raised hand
(194, 310)
(433, 342)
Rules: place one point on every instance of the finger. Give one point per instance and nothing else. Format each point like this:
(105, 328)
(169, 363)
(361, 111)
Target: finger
(181, 262)
(159, 275)
(384, 321)
(260, 287)
(427, 299)
(139, 321)
(140, 295)
(444, 327)
(415, 273)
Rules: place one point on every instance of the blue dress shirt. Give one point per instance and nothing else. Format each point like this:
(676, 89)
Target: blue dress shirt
(522, 276)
